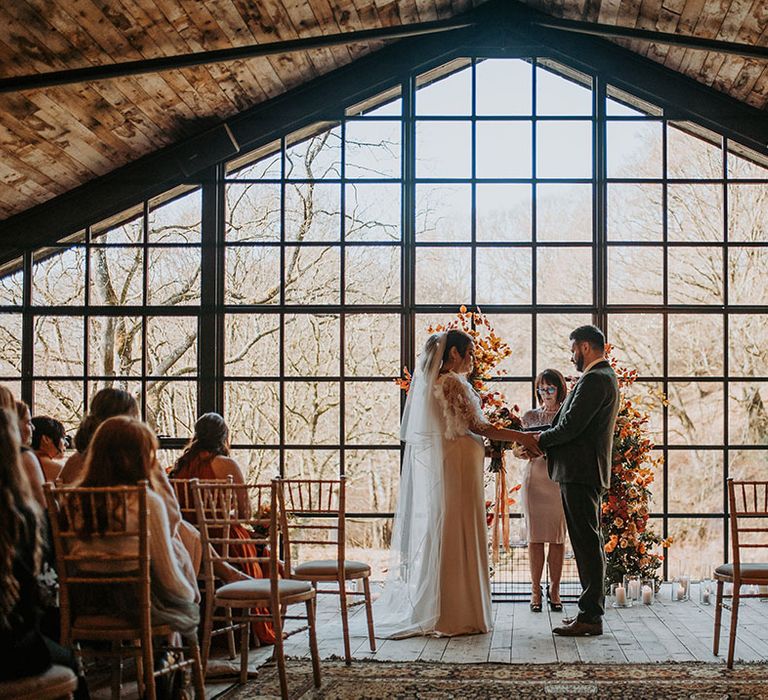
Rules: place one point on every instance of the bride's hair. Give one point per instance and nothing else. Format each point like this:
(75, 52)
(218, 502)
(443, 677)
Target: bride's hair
(453, 339)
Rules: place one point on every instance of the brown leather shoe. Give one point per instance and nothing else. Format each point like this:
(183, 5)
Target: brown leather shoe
(579, 629)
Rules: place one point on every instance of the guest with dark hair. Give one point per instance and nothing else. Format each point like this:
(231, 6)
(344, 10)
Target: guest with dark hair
(24, 650)
(49, 440)
(106, 403)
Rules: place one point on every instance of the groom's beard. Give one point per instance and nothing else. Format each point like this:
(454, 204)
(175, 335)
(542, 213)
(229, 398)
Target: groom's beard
(579, 362)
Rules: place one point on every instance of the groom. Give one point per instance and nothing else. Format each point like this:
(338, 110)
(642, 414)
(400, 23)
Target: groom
(578, 448)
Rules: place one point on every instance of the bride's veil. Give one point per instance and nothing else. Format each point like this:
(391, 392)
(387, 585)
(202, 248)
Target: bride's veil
(410, 603)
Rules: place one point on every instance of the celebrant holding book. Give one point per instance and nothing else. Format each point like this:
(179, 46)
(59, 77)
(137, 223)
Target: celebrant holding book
(541, 500)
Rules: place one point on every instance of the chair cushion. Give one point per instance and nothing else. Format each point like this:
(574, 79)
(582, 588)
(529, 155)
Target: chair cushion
(258, 589)
(330, 567)
(747, 570)
(56, 682)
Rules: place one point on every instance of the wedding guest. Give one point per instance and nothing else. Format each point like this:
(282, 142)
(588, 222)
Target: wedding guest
(49, 440)
(7, 399)
(542, 503)
(106, 403)
(24, 650)
(123, 452)
(207, 457)
(29, 460)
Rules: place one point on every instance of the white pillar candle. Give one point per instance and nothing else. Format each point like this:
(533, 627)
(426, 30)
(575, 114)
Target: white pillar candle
(647, 595)
(621, 595)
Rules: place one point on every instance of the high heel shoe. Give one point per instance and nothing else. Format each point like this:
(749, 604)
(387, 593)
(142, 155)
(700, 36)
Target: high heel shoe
(536, 607)
(554, 607)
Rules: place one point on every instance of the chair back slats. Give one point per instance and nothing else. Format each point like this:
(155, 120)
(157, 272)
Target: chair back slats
(748, 501)
(183, 490)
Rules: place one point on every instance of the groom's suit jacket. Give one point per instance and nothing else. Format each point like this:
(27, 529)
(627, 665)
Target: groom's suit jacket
(580, 441)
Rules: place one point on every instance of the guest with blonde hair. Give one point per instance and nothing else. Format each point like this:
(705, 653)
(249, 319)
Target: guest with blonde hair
(29, 461)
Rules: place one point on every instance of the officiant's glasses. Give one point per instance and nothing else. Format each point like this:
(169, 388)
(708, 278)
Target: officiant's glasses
(547, 389)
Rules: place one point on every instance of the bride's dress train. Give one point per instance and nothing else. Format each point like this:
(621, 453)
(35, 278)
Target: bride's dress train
(438, 581)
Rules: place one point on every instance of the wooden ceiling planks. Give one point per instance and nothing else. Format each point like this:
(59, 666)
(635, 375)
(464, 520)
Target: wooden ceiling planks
(53, 139)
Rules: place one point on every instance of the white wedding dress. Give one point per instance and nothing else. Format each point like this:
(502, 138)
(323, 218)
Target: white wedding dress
(438, 582)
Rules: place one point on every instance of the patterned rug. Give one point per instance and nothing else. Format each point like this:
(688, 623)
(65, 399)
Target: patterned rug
(371, 680)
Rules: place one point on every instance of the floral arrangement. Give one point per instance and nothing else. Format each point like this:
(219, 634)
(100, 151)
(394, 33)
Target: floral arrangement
(490, 351)
(629, 542)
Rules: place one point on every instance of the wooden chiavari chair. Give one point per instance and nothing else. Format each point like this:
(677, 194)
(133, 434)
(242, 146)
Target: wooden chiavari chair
(220, 509)
(314, 512)
(748, 503)
(80, 565)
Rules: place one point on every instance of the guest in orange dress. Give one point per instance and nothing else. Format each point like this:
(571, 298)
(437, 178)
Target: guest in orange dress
(207, 457)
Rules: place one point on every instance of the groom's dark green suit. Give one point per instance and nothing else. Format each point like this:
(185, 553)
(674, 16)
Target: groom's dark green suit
(578, 448)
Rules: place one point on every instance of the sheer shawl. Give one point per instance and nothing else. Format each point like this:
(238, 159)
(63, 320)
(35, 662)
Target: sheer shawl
(410, 603)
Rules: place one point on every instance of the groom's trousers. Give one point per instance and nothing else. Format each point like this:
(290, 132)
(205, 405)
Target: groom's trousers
(582, 504)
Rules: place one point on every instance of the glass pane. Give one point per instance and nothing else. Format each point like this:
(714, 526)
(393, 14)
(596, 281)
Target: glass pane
(173, 278)
(373, 479)
(114, 346)
(748, 213)
(503, 212)
(695, 413)
(747, 417)
(656, 501)
(252, 345)
(504, 275)
(372, 413)
(695, 345)
(127, 227)
(314, 157)
(373, 275)
(503, 86)
(312, 345)
(372, 212)
(171, 346)
(386, 104)
(58, 279)
(372, 345)
(117, 276)
(622, 104)
(647, 397)
(698, 546)
(373, 149)
(746, 164)
(312, 212)
(433, 159)
(10, 344)
(564, 149)
(635, 275)
(563, 212)
(132, 386)
(177, 221)
(443, 212)
(443, 275)
(564, 276)
(253, 212)
(263, 163)
(748, 465)
(252, 275)
(62, 400)
(553, 349)
(259, 466)
(638, 342)
(312, 413)
(695, 275)
(517, 330)
(425, 327)
(504, 149)
(695, 212)
(253, 413)
(450, 95)
(748, 344)
(695, 480)
(693, 153)
(12, 283)
(634, 149)
(558, 94)
(635, 212)
(13, 386)
(312, 464)
(312, 275)
(171, 407)
(747, 272)
(58, 346)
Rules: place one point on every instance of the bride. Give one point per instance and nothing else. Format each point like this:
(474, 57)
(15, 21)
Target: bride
(438, 582)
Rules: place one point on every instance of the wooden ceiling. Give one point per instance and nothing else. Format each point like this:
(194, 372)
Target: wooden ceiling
(54, 139)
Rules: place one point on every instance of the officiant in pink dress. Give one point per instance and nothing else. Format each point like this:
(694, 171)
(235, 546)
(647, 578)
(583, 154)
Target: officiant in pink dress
(541, 500)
